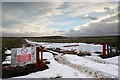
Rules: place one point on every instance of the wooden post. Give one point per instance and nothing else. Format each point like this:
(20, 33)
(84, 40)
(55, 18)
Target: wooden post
(117, 50)
(104, 50)
(111, 50)
(108, 50)
(37, 59)
(42, 58)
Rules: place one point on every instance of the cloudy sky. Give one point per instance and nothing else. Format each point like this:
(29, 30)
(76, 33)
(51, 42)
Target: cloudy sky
(35, 19)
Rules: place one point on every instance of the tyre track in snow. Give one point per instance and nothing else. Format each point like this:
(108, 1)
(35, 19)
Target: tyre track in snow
(84, 69)
(100, 61)
(87, 70)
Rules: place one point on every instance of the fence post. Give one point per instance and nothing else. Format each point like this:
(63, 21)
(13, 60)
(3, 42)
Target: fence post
(104, 49)
(42, 58)
(37, 59)
(108, 53)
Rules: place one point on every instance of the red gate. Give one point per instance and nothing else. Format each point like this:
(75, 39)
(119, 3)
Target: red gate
(104, 48)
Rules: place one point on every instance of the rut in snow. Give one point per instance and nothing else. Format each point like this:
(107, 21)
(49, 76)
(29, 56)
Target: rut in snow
(87, 70)
(100, 61)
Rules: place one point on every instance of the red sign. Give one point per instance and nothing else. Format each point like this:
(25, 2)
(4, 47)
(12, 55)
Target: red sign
(24, 51)
(23, 58)
(23, 54)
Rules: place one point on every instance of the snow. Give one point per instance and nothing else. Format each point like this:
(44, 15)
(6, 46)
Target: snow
(8, 52)
(7, 60)
(107, 68)
(113, 59)
(55, 69)
(81, 47)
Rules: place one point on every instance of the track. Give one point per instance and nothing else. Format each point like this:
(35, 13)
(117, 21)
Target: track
(95, 59)
(84, 69)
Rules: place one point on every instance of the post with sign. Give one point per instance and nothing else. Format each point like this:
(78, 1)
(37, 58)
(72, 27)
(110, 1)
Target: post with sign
(37, 59)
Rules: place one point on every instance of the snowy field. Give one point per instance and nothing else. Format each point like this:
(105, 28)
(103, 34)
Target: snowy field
(81, 47)
(94, 62)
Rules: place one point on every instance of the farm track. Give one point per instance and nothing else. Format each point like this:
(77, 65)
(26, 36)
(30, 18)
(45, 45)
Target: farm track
(86, 70)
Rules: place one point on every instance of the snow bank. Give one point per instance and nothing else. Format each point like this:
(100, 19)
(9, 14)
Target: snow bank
(113, 59)
(7, 60)
(8, 52)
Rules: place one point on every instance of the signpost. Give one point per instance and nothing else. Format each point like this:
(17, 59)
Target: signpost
(23, 54)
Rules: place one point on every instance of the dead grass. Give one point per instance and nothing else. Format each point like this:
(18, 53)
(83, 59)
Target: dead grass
(8, 72)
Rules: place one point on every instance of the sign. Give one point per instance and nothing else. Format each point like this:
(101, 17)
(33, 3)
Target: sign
(23, 54)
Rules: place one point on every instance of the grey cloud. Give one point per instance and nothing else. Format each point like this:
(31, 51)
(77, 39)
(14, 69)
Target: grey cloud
(113, 18)
(17, 15)
(20, 12)
(25, 34)
(89, 17)
(109, 10)
(97, 28)
(27, 12)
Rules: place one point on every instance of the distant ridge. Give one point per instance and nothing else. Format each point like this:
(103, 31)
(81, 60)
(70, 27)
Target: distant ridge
(45, 37)
(52, 37)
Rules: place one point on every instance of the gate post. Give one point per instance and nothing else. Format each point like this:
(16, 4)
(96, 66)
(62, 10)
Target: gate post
(37, 59)
(104, 49)
(42, 58)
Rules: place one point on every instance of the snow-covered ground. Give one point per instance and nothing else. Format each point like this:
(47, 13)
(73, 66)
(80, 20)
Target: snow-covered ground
(8, 52)
(55, 69)
(7, 60)
(106, 66)
(113, 59)
(81, 47)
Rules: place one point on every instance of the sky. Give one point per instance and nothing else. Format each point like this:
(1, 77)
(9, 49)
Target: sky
(36, 19)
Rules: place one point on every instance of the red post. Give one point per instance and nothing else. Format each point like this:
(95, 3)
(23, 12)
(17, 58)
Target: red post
(37, 59)
(104, 49)
(42, 58)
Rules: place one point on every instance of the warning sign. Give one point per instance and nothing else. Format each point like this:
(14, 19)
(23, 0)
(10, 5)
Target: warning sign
(24, 51)
(23, 54)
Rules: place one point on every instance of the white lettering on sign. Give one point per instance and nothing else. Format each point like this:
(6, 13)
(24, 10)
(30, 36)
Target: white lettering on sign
(23, 54)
